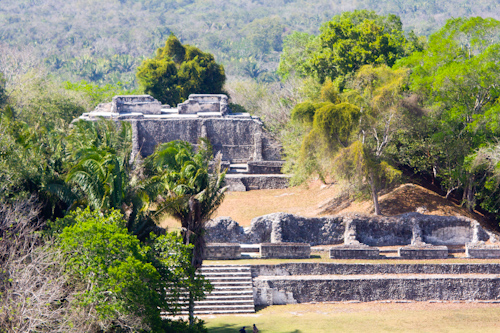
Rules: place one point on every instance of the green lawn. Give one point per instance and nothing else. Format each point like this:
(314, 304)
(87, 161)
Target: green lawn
(365, 318)
(323, 257)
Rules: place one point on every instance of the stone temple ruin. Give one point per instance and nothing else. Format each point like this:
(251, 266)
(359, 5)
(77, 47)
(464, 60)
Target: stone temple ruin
(252, 156)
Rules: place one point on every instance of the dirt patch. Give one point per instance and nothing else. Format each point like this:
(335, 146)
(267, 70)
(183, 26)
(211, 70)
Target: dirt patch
(310, 200)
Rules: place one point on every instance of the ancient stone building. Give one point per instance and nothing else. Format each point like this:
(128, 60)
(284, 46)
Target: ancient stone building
(252, 156)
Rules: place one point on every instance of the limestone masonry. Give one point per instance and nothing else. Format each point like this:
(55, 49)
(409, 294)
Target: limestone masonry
(252, 155)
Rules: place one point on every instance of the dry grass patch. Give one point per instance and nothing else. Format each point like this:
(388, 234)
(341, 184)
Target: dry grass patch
(306, 200)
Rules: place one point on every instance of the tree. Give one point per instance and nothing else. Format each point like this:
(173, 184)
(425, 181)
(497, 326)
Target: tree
(3, 93)
(457, 77)
(190, 192)
(350, 132)
(125, 283)
(346, 43)
(102, 176)
(180, 70)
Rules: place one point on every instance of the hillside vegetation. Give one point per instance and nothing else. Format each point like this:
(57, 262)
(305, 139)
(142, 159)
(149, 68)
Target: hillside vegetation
(104, 41)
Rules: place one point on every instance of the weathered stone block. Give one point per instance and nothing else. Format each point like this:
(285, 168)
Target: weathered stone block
(354, 252)
(423, 252)
(144, 104)
(222, 251)
(204, 103)
(265, 167)
(482, 251)
(285, 250)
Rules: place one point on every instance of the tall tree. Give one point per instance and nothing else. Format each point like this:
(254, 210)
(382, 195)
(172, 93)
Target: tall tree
(180, 70)
(190, 192)
(347, 42)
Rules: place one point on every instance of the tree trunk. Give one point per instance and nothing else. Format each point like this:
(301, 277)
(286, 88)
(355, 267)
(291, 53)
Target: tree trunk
(376, 206)
(191, 309)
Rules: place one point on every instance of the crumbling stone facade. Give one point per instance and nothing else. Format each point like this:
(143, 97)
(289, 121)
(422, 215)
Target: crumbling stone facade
(351, 229)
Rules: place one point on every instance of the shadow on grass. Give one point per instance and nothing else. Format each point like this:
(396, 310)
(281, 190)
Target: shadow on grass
(228, 328)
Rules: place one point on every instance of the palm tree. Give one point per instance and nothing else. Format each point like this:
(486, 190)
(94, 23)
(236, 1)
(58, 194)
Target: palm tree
(190, 192)
(103, 177)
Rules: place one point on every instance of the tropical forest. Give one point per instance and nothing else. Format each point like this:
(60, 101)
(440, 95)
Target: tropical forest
(364, 94)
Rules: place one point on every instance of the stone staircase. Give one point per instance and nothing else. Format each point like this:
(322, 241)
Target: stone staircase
(232, 293)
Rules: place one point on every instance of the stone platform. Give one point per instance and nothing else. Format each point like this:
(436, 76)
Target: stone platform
(285, 251)
(423, 252)
(481, 251)
(329, 282)
(354, 252)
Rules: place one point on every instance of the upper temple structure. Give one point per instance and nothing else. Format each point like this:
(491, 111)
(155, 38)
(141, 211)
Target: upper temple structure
(252, 156)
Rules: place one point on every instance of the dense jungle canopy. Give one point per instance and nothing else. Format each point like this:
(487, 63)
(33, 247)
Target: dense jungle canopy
(104, 41)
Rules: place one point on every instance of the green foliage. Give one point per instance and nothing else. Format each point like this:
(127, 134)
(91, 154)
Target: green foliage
(122, 277)
(178, 71)
(115, 268)
(40, 101)
(3, 93)
(336, 122)
(75, 48)
(265, 34)
(305, 111)
(347, 42)
(99, 94)
(456, 76)
(296, 49)
(187, 182)
(33, 162)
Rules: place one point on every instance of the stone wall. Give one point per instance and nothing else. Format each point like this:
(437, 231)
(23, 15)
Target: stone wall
(222, 251)
(234, 137)
(242, 182)
(269, 290)
(307, 268)
(204, 103)
(285, 250)
(354, 228)
(144, 104)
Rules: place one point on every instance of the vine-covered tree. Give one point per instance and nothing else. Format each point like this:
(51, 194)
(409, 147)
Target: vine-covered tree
(180, 70)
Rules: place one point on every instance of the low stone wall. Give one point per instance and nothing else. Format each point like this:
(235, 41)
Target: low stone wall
(242, 183)
(354, 252)
(482, 251)
(309, 268)
(285, 251)
(222, 251)
(265, 167)
(423, 252)
(269, 290)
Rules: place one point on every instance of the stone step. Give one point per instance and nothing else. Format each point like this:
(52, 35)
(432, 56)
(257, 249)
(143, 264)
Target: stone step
(222, 291)
(222, 279)
(232, 293)
(228, 268)
(225, 303)
(226, 272)
(229, 297)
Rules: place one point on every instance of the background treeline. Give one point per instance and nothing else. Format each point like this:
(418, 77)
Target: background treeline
(104, 41)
